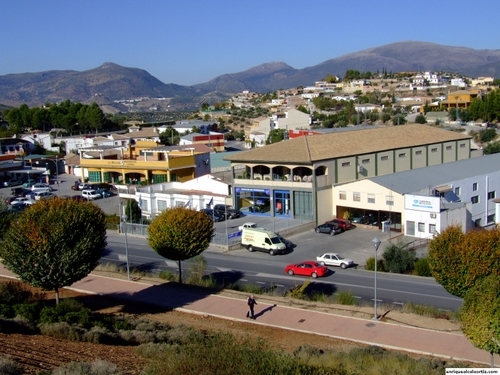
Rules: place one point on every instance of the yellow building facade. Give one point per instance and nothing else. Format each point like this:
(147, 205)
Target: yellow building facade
(142, 163)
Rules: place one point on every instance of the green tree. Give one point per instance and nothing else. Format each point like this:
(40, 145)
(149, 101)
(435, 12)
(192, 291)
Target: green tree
(420, 119)
(486, 135)
(398, 259)
(133, 211)
(276, 135)
(55, 243)
(480, 314)
(95, 117)
(169, 137)
(492, 148)
(180, 233)
(458, 260)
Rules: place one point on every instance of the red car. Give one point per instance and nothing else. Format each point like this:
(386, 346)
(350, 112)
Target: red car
(307, 268)
(344, 224)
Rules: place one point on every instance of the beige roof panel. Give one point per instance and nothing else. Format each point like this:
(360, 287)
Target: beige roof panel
(311, 148)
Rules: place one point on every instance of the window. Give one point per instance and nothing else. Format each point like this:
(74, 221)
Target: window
(384, 158)
(449, 148)
(342, 195)
(346, 164)
(410, 228)
(365, 161)
(371, 198)
(356, 197)
(402, 155)
(421, 227)
(162, 205)
(432, 228)
(475, 199)
(491, 218)
(389, 200)
(418, 152)
(474, 186)
(491, 195)
(462, 145)
(457, 191)
(144, 205)
(434, 149)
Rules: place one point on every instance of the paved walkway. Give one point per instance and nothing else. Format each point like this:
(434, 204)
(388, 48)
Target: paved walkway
(391, 336)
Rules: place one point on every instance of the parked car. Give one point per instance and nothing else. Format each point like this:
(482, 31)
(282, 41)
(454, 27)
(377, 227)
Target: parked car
(307, 268)
(287, 243)
(227, 210)
(248, 225)
(330, 228)
(344, 224)
(40, 186)
(43, 195)
(102, 185)
(22, 200)
(91, 194)
(12, 182)
(334, 259)
(105, 193)
(29, 183)
(212, 214)
(85, 186)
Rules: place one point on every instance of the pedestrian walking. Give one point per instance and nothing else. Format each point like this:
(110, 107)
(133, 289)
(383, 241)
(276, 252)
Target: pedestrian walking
(251, 303)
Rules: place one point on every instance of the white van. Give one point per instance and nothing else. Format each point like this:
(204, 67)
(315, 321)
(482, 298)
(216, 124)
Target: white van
(262, 240)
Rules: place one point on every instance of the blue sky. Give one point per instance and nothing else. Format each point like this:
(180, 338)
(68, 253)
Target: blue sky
(193, 41)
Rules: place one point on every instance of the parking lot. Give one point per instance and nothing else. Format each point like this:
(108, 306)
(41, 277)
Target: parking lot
(110, 205)
(355, 244)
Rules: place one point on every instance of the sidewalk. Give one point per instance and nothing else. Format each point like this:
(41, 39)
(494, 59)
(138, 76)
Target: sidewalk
(390, 336)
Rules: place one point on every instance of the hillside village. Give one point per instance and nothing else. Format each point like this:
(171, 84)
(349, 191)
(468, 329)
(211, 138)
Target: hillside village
(309, 153)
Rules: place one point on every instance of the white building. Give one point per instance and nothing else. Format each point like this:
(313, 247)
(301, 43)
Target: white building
(421, 202)
(197, 193)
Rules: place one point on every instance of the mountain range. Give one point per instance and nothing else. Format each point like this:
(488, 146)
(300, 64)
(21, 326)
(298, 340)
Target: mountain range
(111, 82)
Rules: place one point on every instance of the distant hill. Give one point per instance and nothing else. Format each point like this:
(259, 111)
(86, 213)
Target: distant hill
(111, 82)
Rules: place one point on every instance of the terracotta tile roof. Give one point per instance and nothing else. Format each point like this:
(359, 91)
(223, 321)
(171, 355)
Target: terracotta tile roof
(311, 148)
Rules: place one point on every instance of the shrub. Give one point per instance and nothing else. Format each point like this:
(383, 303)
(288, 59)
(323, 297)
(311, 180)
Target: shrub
(9, 367)
(299, 291)
(98, 367)
(13, 292)
(346, 298)
(62, 331)
(398, 259)
(181, 334)
(6, 310)
(137, 337)
(370, 264)
(422, 267)
(17, 325)
(29, 311)
(168, 275)
(99, 335)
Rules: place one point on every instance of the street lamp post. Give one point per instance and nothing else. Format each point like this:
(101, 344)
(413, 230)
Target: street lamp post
(376, 243)
(124, 221)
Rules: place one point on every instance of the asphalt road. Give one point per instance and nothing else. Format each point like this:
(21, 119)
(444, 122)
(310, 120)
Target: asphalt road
(268, 272)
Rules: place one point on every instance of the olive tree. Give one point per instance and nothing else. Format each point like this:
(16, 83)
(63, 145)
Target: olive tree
(459, 260)
(55, 242)
(180, 233)
(480, 315)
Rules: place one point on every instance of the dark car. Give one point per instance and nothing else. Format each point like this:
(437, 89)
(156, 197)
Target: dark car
(330, 228)
(12, 182)
(212, 214)
(105, 193)
(227, 211)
